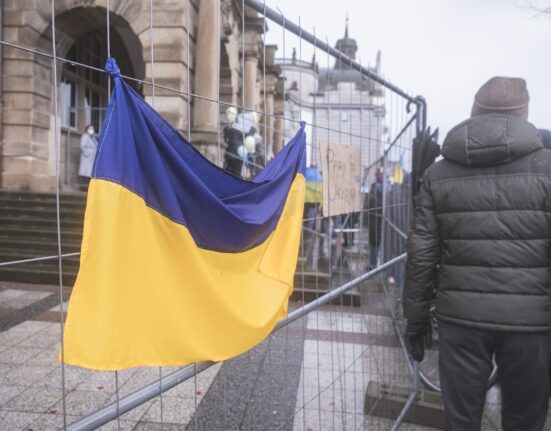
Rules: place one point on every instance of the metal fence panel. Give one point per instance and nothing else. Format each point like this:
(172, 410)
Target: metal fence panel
(343, 336)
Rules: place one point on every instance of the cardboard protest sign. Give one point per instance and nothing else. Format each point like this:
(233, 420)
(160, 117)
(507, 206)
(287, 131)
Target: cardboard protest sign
(341, 178)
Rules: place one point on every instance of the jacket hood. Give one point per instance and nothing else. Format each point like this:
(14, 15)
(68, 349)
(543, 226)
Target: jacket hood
(492, 139)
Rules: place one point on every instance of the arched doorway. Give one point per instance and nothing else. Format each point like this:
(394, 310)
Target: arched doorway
(28, 147)
(83, 93)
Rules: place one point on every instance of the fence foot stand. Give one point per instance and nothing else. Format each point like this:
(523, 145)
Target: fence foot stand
(405, 404)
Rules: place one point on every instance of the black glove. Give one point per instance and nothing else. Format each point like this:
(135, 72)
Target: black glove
(418, 335)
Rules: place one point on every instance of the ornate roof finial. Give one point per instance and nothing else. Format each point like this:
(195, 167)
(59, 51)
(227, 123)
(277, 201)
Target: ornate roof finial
(346, 45)
(346, 27)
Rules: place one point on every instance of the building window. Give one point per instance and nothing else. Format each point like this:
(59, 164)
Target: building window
(83, 90)
(72, 55)
(68, 103)
(94, 55)
(344, 116)
(93, 108)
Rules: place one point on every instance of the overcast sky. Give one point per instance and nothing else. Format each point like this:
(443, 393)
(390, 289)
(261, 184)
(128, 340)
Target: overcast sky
(442, 49)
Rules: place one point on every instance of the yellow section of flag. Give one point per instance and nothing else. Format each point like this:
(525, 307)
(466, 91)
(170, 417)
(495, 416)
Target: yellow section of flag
(147, 295)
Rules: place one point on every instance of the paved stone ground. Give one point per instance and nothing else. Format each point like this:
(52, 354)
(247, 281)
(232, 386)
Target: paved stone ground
(309, 376)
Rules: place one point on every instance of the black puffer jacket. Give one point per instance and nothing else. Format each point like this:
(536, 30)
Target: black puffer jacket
(482, 230)
(375, 214)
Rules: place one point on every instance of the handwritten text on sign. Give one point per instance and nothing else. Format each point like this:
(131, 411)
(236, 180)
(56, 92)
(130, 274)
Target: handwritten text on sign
(341, 178)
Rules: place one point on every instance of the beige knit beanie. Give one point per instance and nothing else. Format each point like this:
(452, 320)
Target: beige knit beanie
(500, 95)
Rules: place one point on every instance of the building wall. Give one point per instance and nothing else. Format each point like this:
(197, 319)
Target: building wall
(28, 122)
(28, 133)
(300, 77)
(342, 114)
(361, 121)
(28, 144)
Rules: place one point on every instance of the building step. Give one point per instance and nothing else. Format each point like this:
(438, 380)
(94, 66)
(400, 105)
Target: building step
(28, 229)
(64, 197)
(30, 211)
(38, 246)
(37, 221)
(387, 400)
(11, 255)
(32, 273)
(311, 277)
(309, 294)
(26, 206)
(40, 233)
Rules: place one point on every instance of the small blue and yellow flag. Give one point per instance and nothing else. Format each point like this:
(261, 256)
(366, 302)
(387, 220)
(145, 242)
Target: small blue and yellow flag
(314, 185)
(181, 261)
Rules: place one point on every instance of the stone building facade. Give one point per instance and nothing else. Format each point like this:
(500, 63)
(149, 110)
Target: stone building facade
(346, 107)
(215, 64)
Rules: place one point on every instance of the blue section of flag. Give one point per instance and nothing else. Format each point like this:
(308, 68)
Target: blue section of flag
(141, 151)
(313, 175)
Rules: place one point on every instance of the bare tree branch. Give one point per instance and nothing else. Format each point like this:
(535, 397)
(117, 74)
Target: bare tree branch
(537, 10)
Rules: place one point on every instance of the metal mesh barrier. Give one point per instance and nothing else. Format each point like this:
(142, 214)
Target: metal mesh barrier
(337, 358)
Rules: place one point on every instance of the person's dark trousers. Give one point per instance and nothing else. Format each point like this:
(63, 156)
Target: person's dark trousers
(233, 164)
(373, 255)
(465, 360)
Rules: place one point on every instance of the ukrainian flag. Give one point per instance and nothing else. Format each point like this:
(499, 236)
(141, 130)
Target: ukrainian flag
(314, 185)
(180, 261)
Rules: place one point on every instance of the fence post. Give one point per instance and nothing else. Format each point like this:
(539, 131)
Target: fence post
(421, 124)
(420, 114)
(382, 248)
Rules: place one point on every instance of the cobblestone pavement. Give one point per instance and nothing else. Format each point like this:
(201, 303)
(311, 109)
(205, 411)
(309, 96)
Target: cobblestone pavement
(309, 376)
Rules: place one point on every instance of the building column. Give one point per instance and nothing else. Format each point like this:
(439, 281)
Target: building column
(252, 54)
(279, 133)
(251, 69)
(170, 55)
(270, 86)
(205, 128)
(28, 157)
(269, 121)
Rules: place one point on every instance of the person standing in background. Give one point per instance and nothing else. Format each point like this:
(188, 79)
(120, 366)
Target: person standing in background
(545, 138)
(374, 218)
(481, 239)
(88, 148)
(233, 137)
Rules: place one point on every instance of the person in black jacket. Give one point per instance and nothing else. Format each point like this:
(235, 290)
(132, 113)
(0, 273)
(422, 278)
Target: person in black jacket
(375, 218)
(233, 137)
(546, 138)
(482, 240)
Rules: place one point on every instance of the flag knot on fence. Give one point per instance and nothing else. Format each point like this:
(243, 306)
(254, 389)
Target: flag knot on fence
(112, 68)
